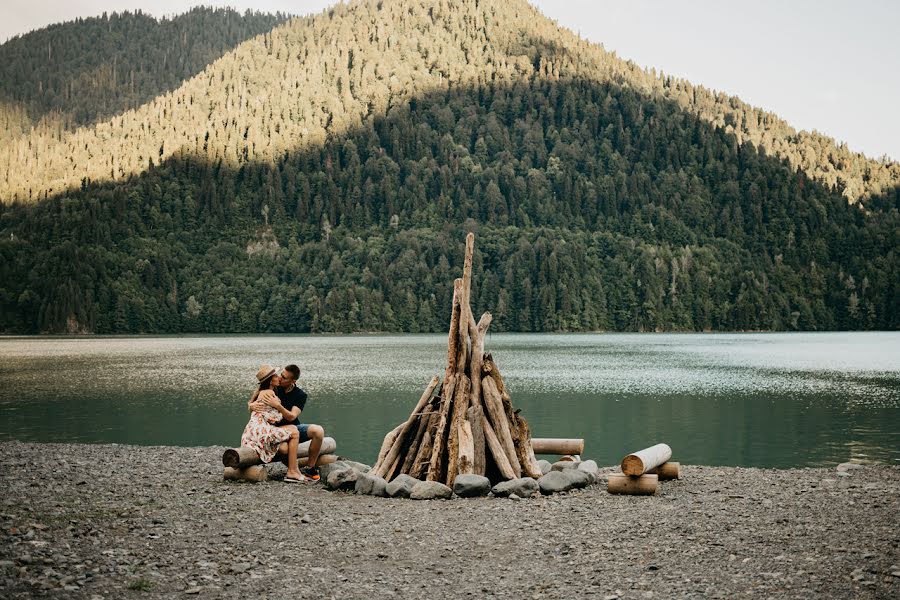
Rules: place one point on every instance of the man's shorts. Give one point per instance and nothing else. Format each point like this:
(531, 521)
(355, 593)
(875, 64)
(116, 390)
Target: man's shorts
(303, 428)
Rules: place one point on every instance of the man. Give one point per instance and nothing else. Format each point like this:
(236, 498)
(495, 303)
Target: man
(290, 401)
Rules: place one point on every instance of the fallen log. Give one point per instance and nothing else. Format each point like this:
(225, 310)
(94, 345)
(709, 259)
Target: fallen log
(460, 406)
(645, 485)
(497, 452)
(524, 453)
(642, 461)
(475, 413)
(424, 419)
(240, 458)
(436, 463)
(560, 446)
(423, 455)
(494, 405)
(394, 453)
(466, 462)
(667, 471)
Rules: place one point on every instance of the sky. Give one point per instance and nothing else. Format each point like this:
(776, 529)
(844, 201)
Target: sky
(824, 65)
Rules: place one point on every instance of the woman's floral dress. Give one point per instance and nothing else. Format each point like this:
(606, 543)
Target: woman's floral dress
(261, 435)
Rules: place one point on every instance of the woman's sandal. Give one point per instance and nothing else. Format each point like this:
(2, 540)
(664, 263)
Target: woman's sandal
(301, 479)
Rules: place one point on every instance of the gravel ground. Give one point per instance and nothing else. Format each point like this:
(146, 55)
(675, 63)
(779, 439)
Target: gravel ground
(112, 521)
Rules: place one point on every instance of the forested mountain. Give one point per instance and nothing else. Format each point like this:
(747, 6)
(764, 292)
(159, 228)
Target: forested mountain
(78, 73)
(320, 178)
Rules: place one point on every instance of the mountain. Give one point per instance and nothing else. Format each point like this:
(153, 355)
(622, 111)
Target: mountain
(75, 74)
(319, 177)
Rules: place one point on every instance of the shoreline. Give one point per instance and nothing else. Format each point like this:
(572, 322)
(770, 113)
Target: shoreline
(109, 520)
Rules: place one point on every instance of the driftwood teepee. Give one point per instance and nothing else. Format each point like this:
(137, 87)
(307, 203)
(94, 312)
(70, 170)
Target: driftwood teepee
(466, 424)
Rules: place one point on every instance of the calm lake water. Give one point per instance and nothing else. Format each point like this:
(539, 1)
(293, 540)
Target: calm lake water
(765, 400)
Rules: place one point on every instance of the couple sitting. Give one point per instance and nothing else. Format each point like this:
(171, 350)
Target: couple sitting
(274, 426)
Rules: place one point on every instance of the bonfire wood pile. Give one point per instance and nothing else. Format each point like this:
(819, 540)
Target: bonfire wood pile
(465, 423)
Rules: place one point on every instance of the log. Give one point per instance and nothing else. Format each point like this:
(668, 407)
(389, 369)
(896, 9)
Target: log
(387, 443)
(252, 473)
(559, 446)
(436, 463)
(413, 450)
(453, 336)
(489, 368)
(478, 332)
(240, 458)
(465, 308)
(394, 453)
(526, 457)
(619, 483)
(642, 461)
(494, 406)
(460, 406)
(423, 456)
(466, 462)
(667, 471)
(497, 451)
(324, 459)
(474, 415)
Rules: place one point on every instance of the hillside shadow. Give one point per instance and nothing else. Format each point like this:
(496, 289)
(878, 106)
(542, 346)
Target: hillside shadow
(83, 72)
(632, 183)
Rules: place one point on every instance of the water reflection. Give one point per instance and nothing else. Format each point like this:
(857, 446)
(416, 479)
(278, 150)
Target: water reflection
(754, 399)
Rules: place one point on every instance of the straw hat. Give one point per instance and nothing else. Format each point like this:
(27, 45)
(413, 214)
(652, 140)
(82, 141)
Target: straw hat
(265, 372)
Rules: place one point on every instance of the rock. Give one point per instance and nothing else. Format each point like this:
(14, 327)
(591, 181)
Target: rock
(514, 497)
(470, 486)
(554, 482)
(578, 478)
(326, 470)
(358, 466)
(401, 486)
(844, 467)
(371, 485)
(589, 466)
(522, 487)
(430, 490)
(545, 466)
(344, 479)
(562, 465)
(563, 481)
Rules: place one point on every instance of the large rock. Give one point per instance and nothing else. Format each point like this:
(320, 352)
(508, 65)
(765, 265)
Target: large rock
(430, 490)
(401, 486)
(371, 485)
(563, 481)
(326, 470)
(358, 466)
(590, 467)
(545, 466)
(522, 487)
(847, 466)
(579, 478)
(343, 479)
(470, 486)
(562, 465)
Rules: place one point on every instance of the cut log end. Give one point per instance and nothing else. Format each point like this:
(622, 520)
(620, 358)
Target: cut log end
(667, 471)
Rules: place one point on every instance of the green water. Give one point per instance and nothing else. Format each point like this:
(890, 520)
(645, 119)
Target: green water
(766, 400)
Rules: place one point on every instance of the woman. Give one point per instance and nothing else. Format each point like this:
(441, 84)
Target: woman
(263, 436)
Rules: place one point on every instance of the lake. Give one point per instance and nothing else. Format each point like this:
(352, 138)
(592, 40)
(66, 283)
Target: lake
(762, 400)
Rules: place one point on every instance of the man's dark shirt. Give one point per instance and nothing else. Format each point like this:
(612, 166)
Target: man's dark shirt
(296, 397)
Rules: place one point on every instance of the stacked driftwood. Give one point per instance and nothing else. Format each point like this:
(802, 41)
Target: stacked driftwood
(465, 424)
(643, 470)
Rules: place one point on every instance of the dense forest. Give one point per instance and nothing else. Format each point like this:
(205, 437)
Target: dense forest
(321, 177)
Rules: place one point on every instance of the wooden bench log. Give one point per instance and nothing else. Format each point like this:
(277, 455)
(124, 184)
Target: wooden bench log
(642, 461)
(560, 446)
(240, 458)
(667, 471)
(619, 483)
(257, 473)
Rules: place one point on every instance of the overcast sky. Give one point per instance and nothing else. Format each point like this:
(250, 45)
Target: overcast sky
(827, 65)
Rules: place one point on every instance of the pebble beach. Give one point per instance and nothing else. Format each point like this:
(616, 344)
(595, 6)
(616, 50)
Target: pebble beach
(116, 521)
